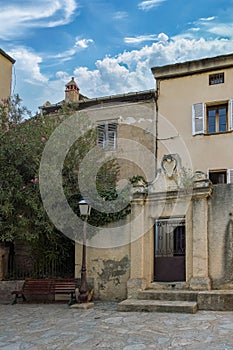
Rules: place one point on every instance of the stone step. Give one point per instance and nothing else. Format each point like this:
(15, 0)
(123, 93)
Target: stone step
(181, 295)
(158, 306)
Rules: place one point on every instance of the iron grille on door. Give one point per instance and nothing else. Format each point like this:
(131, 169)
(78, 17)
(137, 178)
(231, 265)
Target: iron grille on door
(170, 237)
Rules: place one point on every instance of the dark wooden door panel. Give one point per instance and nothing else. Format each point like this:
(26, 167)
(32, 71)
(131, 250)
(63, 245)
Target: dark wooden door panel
(170, 269)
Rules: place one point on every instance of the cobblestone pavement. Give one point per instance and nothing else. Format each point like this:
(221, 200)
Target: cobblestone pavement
(56, 326)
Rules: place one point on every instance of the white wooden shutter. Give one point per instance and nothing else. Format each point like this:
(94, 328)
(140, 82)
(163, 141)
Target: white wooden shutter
(112, 135)
(100, 135)
(198, 118)
(107, 135)
(230, 176)
(230, 114)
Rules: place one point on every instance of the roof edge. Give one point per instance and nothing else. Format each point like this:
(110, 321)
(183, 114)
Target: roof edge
(12, 60)
(192, 67)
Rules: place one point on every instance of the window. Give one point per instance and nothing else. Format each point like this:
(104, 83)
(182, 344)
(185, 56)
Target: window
(216, 78)
(211, 119)
(218, 177)
(222, 176)
(217, 119)
(107, 135)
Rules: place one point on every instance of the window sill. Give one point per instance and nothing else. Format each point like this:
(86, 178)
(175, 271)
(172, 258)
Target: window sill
(215, 133)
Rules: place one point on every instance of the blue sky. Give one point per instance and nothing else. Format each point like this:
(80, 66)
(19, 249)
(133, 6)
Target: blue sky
(109, 46)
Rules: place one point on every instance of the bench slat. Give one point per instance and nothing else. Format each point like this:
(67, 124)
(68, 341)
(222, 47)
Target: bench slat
(46, 287)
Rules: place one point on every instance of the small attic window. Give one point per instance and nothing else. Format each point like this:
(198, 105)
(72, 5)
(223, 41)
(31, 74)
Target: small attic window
(217, 78)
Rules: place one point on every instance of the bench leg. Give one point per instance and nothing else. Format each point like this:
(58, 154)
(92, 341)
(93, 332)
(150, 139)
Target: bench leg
(17, 296)
(15, 300)
(72, 299)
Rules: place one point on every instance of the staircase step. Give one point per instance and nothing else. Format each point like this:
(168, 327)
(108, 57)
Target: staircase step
(158, 306)
(181, 295)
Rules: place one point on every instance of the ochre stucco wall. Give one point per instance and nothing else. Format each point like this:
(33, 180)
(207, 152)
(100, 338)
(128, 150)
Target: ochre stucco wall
(5, 77)
(176, 97)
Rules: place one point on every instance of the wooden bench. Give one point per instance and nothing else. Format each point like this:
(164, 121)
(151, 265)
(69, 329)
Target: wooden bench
(45, 290)
(66, 286)
(35, 289)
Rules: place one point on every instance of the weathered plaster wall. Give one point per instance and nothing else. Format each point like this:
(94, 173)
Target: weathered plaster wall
(220, 228)
(109, 269)
(135, 135)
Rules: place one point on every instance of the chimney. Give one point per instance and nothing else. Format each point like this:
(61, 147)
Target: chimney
(72, 92)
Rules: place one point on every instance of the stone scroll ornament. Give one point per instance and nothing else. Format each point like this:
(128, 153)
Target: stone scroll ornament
(169, 164)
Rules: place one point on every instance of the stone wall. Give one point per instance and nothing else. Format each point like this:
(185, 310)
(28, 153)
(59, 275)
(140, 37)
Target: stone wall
(220, 229)
(6, 287)
(120, 271)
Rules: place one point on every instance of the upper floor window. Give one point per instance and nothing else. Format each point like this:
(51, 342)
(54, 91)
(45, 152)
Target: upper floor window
(217, 119)
(221, 176)
(218, 176)
(210, 119)
(217, 78)
(107, 135)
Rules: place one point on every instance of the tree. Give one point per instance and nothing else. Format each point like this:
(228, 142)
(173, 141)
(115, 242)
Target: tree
(22, 214)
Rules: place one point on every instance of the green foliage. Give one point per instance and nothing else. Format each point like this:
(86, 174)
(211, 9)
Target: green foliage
(21, 210)
(22, 141)
(137, 179)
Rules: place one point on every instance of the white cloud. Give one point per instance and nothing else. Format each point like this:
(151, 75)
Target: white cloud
(225, 30)
(28, 65)
(208, 26)
(131, 70)
(120, 15)
(140, 38)
(195, 29)
(150, 37)
(83, 43)
(80, 44)
(41, 13)
(207, 19)
(149, 4)
(162, 37)
(128, 71)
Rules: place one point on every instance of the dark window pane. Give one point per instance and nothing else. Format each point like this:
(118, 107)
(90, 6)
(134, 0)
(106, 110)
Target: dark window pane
(222, 123)
(218, 177)
(211, 124)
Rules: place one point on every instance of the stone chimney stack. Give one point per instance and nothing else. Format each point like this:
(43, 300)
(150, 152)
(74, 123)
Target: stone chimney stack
(72, 92)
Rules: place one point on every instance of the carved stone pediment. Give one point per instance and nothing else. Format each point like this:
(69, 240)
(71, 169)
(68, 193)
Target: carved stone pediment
(169, 165)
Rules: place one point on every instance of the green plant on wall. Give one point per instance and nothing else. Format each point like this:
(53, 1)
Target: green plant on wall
(137, 180)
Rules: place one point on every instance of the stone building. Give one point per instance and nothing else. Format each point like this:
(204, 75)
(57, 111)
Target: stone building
(187, 210)
(178, 237)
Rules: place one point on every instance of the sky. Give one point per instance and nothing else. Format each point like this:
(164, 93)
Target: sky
(108, 46)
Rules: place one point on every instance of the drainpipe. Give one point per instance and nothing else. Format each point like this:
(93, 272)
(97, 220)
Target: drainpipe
(156, 128)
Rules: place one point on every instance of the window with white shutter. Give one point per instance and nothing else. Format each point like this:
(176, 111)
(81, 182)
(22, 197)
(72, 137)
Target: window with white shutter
(107, 135)
(198, 118)
(212, 118)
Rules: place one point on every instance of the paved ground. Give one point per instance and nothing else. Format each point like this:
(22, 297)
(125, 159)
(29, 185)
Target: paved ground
(38, 327)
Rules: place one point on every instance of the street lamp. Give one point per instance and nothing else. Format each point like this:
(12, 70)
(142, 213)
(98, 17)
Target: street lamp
(85, 210)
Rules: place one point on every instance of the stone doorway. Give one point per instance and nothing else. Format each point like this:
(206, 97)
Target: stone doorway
(169, 248)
